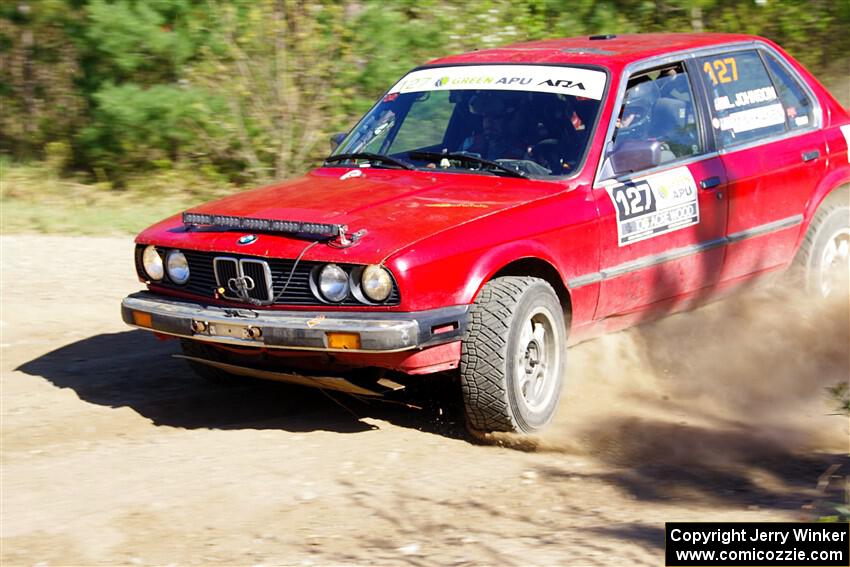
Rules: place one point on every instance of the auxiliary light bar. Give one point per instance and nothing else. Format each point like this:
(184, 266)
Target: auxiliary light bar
(225, 222)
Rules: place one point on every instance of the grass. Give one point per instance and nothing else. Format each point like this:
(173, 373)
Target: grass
(33, 198)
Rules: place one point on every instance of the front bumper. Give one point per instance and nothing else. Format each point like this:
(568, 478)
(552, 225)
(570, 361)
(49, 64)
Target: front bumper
(297, 330)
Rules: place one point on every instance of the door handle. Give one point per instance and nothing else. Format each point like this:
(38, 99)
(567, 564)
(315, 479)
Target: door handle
(809, 156)
(710, 182)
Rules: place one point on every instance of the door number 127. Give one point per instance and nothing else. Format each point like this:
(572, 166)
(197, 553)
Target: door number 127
(633, 200)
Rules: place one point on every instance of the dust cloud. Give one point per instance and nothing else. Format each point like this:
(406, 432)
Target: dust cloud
(730, 381)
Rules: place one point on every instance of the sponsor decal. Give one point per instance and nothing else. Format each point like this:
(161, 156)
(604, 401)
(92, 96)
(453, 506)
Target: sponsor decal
(351, 174)
(846, 131)
(563, 83)
(753, 118)
(654, 205)
(745, 98)
(587, 83)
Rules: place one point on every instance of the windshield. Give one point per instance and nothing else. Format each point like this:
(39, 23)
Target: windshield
(531, 120)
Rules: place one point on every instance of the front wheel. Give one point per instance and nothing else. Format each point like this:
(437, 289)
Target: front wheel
(513, 356)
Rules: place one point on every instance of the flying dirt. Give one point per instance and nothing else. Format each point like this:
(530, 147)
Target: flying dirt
(113, 452)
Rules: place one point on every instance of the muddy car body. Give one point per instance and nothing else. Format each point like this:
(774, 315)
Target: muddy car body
(495, 206)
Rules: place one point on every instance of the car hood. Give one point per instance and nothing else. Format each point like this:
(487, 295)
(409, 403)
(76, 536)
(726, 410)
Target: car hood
(396, 208)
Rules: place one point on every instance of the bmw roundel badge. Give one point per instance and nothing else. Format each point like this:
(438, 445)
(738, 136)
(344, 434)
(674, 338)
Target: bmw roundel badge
(247, 239)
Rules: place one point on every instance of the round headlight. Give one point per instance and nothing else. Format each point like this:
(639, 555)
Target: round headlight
(376, 283)
(333, 283)
(177, 267)
(152, 262)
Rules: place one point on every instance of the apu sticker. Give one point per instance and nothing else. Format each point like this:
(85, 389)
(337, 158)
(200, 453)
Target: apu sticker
(587, 83)
(846, 131)
(654, 205)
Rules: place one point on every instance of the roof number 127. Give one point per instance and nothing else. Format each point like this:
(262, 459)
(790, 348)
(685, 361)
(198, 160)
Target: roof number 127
(718, 70)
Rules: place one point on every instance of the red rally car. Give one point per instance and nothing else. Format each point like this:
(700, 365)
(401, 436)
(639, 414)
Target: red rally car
(494, 207)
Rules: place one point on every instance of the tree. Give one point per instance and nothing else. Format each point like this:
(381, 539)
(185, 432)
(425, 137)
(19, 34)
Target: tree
(38, 69)
(273, 65)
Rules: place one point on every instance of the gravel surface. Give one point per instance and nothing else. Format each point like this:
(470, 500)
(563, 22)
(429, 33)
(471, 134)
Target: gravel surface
(114, 453)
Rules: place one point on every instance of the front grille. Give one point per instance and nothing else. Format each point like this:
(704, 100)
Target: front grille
(259, 273)
(203, 282)
(239, 278)
(224, 269)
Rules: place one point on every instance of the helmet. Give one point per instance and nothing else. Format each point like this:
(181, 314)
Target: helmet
(638, 103)
(489, 104)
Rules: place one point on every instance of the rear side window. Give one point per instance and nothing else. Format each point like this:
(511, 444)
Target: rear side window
(799, 110)
(744, 103)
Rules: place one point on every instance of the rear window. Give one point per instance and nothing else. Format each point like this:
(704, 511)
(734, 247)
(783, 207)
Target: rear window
(744, 103)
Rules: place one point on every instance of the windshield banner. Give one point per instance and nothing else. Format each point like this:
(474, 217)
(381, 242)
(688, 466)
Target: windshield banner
(537, 78)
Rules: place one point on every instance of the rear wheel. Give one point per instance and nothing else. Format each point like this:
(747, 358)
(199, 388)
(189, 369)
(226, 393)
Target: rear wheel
(513, 356)
(824, 256)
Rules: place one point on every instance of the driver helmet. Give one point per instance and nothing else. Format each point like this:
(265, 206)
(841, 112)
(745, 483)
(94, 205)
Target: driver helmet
(486, 104)
(639, 101)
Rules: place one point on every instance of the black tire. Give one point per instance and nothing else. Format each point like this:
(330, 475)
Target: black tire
(830, 224)
(494, 391)
(214, 375)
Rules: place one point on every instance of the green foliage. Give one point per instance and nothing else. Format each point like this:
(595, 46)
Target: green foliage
(140, 37)
(138, 128)
(39, 66)
(249, 90)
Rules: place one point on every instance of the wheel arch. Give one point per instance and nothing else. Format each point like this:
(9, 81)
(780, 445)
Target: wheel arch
(834, 182)
(538, 268)
(519, 258)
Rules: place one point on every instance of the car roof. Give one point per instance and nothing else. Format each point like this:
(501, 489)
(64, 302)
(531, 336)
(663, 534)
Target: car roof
(609, 51)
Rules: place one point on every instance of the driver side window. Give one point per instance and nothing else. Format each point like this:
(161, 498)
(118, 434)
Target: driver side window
(657, 121)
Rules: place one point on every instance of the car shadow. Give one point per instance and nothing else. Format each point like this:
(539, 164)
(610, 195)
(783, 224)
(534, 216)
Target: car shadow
(732, 465)
(133, 369)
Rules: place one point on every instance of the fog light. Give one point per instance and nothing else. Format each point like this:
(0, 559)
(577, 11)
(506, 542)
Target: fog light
(343, 340)
(177, 267)
(333, 283)
(152, 263)
(376, 283)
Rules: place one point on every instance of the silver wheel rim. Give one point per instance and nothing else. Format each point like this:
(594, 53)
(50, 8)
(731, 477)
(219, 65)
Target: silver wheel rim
(537, 360)
(834, 264)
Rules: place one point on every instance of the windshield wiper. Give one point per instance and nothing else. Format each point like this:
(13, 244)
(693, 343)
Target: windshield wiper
(470, 158)
(381, 158)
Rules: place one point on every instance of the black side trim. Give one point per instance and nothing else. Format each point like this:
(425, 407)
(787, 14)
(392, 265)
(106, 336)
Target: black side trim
(678, 253)
(455, 316)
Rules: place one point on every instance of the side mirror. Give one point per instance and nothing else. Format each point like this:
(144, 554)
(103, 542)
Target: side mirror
(635, 155)
(337, 139)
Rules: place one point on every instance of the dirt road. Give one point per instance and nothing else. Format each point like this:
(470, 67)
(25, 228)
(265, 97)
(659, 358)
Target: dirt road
(114, 453)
